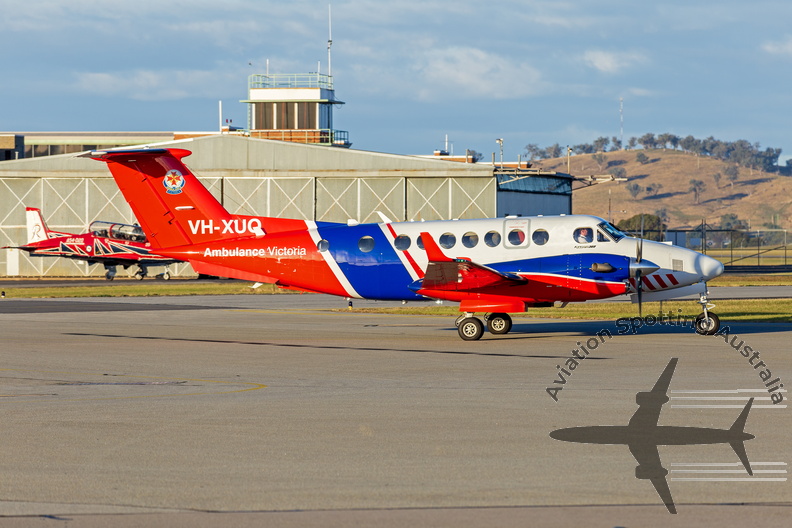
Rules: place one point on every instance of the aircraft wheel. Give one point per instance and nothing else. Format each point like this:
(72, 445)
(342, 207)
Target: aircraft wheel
(707, 325)
(499, 323)
(109, 276)
(470, 329)
(139, 275)
(166, 276)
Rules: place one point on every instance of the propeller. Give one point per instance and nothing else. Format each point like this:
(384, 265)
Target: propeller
(639, 271)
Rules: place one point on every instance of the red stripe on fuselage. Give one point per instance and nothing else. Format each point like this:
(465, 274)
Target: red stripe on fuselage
(538, 288)
(407, 255)
(290, 259)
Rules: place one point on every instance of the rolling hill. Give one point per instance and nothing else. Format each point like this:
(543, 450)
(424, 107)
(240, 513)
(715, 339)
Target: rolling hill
(757, 197)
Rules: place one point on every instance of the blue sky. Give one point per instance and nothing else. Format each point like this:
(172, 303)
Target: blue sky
(410, 71)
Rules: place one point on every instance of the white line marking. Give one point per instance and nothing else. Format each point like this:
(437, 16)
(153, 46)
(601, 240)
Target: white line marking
(730, 479)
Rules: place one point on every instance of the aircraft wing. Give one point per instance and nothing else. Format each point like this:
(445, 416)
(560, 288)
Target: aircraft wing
(445, 273)
(651, 403)
(650, 468)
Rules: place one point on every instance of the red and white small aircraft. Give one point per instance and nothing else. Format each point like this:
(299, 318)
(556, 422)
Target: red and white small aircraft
(107, 243)
(492, 266)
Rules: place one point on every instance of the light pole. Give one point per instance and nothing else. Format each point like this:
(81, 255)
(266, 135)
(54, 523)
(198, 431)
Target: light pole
(499, 141)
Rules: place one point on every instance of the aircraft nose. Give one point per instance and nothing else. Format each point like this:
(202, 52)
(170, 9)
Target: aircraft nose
(709, 267)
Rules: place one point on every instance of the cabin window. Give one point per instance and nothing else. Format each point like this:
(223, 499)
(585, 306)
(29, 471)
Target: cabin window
(516, 237)
(492, 239)
(419, 242)
(323, 245)
(540, 237)
(584, 235)
(402, 242)
(470, 239)
(366, 244)
(447, 240)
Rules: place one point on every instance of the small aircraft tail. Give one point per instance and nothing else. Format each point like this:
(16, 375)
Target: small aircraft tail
(738, 444)
(172, 206)
(36, 227)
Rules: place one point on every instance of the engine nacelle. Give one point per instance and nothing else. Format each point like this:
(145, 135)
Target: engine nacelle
(650, 472)
(650, 398)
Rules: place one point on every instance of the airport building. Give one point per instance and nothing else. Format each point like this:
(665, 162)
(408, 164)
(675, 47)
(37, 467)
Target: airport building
(289, 162)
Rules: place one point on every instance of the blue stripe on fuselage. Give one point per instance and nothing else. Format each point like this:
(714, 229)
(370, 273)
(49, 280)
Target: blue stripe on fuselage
(573, 265)
(377, 274)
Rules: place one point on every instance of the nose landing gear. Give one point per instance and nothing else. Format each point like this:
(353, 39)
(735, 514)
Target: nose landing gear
(706, 323)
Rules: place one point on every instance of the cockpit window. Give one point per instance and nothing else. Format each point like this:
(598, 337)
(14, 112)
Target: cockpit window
(612, 231)
(601, 237)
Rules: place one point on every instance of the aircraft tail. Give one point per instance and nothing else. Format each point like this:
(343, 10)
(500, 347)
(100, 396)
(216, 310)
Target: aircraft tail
(36, 227)
(171, 204)
(738, 444)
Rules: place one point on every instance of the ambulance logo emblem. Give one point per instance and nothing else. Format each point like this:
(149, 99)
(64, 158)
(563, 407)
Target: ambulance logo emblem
(173, 182)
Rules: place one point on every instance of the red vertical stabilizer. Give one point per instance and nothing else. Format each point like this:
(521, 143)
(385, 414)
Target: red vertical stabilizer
(172, 206)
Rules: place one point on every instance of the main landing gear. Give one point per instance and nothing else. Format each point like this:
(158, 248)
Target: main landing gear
(471, 328)
(706, 323)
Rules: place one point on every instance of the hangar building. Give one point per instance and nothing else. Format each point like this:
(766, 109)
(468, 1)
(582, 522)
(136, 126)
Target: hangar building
(286, 164)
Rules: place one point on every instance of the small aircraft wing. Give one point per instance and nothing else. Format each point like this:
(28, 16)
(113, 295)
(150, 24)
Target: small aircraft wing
(651, 403)
(445, 273)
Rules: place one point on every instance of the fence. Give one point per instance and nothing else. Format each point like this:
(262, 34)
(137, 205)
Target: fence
(733, 247)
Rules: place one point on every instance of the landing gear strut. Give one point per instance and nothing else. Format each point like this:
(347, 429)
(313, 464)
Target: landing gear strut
(141, 273)
(706, 323)
(110, 273)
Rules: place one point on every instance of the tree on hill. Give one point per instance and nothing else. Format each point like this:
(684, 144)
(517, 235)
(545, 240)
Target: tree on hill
(642, 158)
(732, 174)
(601, 160)
(648, 141)
(653, 189)
(653, 226)
(619, 172)
(553, 151)
(667, 139)
(717, 178)
(616, 144)
(697, 187)
(533, 151)
(600, 144)
(634, 189)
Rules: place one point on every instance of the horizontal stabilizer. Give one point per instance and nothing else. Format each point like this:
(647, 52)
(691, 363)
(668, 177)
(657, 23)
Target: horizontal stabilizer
(739, 444)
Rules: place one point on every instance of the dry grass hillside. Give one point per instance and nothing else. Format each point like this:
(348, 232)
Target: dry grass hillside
(755, 196)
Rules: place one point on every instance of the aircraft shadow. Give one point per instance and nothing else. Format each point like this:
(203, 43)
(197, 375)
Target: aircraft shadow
(315, 346)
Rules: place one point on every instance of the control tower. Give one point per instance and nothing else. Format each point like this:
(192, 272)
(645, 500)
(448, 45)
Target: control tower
(294, 107)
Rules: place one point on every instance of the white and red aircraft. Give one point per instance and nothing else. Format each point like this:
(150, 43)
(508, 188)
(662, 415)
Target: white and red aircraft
(108, 243)
(492, 266)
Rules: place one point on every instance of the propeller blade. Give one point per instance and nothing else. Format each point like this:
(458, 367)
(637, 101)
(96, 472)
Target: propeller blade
(639, 255)
(639, 287)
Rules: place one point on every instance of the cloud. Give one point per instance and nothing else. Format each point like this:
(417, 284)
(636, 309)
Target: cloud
(783, 47)
(153, 85)
(464, 72)
(612, 62)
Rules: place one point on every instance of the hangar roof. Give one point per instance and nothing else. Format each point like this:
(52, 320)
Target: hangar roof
(244, 156)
